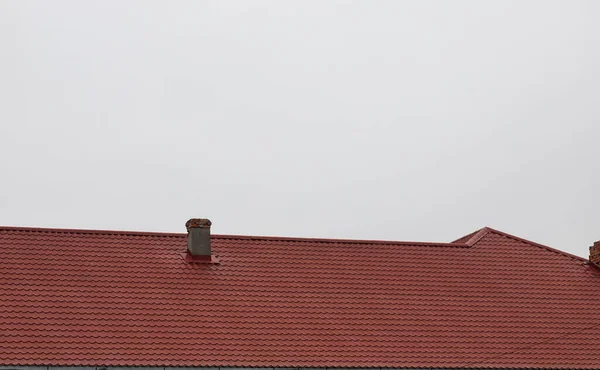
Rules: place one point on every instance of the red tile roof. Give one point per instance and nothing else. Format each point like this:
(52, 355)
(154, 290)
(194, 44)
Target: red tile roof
(76, 297)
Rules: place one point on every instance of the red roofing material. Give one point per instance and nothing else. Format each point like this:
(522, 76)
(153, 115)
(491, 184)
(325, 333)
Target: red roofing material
(103, 298)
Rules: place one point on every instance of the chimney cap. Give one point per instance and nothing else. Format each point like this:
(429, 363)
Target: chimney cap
(197, 222)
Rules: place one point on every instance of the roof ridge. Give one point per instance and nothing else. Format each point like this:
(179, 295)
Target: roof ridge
(532, 243)
(472, 238)
(230, 236)
(478, 236)
(89, 231)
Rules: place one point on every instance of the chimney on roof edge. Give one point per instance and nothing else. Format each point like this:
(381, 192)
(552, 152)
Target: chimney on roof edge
(198, 238)
(595, 253)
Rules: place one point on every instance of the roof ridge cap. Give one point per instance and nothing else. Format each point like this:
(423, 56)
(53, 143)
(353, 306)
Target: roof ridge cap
(473, 237)
(89, 231)
(227, 236)
(478, 236)
(534, 244)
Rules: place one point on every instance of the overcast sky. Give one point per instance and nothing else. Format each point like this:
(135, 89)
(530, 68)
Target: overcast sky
(421, 120)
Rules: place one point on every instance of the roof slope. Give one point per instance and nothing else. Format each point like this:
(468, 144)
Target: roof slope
(74, 297)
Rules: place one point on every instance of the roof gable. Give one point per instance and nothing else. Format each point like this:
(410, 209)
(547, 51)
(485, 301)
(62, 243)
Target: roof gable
(75, 297)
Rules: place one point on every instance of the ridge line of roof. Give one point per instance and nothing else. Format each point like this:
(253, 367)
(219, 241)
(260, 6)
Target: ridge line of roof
(532, 243)
(465, 237)
(89, 231)
(231, 237)
(241, 367)
(477, 236)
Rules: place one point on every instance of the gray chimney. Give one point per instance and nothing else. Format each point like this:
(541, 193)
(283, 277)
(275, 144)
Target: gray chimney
(198, 238)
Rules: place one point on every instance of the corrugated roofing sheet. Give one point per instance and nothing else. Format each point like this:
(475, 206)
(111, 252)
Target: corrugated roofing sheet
(92, 298)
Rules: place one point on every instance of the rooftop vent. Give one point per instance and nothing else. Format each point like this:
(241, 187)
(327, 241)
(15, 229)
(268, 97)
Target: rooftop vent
(595, 253)
(198, 241)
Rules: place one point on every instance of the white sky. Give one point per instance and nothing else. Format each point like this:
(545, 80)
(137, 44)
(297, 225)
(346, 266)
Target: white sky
(401, 120)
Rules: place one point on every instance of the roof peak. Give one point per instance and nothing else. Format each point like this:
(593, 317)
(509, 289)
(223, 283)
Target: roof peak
(474, 237)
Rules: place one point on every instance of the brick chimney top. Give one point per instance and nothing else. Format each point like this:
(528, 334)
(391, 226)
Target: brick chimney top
(595, 253)
(197, 222)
